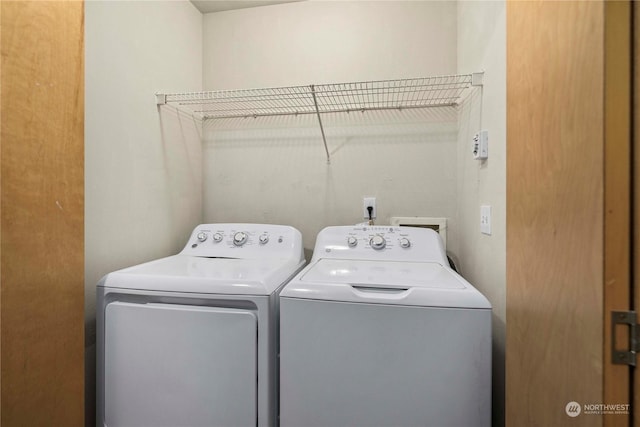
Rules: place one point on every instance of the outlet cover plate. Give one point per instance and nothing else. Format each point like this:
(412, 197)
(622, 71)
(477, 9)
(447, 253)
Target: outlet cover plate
(366, 202)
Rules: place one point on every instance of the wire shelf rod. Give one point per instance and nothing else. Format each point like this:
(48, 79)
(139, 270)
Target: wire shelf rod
(271, 114)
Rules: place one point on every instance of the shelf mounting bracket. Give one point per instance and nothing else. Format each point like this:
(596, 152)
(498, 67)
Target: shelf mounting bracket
(324, 138)
(161, 99)
(477, 78)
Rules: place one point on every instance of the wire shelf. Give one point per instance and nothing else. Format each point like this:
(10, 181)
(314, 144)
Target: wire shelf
(319, 99)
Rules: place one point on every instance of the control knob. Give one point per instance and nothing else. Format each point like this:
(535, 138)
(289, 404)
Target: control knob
(378, 242)
(202, 236)
(240, 238)
(263, 239)
(405, 243)
(352, 241)
(217, 237)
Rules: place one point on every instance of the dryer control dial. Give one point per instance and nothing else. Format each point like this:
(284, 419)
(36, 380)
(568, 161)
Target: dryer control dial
(378, 242)
(405, 243)
(263, 239)
(202, 236)
(240, 238)
(217, 237)
(352, 242)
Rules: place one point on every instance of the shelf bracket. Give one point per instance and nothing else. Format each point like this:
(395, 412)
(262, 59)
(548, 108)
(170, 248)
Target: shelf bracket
(324, 138)
(161, 99)
(477, 78)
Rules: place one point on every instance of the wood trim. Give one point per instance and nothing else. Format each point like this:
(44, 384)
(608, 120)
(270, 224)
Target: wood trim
(1, 121)
(636, 192)
(555, 204)
(42, 217)
(617, 200)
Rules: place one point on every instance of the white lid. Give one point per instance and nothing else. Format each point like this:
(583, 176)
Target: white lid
(393, 274)
(182, 273)
(424, 284)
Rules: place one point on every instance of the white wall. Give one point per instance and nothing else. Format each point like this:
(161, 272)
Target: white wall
(142, 173)
(482, 46)
(274, 170)
(328, 42)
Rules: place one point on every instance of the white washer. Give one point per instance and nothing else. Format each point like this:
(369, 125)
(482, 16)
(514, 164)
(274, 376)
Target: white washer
(379, 331)
(191, 339)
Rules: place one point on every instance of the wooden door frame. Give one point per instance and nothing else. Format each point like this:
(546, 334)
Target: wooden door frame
(635, 195)
(617, 198)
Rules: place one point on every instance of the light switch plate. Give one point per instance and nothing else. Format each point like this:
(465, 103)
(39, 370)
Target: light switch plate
(485, 219)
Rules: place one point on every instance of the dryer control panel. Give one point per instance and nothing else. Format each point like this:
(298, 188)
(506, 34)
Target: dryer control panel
(244, 241)
(390, 243)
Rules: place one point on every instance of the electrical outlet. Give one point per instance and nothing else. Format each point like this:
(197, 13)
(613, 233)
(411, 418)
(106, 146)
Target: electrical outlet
(366, 202)
(485, 219)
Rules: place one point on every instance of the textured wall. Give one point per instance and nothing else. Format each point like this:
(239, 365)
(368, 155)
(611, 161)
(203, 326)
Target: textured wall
(482, 47)
(274, 170)
(143, 169)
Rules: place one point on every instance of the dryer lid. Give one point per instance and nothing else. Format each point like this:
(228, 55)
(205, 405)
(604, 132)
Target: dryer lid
(188, 274)
(385, 282)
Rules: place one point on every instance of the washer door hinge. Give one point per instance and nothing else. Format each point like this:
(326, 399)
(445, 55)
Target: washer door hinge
(630, 319)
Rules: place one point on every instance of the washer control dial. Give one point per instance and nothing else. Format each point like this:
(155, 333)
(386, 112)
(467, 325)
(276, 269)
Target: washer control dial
(352, 242)
(378, 242)
(202, 236)
(217, 237)
(405, 243)
(240, 238)
(263, 239)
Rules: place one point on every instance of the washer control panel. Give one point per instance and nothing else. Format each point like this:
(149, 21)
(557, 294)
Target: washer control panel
(377, 238)
(243, 241)
(380, 242)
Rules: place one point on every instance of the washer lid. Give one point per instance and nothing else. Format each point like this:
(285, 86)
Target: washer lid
(183, 273)
(394, 274)
(385, 282)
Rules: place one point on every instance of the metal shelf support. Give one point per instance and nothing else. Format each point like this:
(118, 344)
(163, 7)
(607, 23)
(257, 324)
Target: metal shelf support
(324, 138)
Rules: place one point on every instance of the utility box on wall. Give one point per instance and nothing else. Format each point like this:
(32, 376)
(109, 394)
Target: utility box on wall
(437, 224)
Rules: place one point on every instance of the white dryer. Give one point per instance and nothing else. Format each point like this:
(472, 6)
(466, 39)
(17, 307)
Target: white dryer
(191, 339)
(379, 331)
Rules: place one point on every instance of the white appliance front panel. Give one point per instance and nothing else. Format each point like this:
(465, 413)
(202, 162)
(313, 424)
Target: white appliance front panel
(364, 365)
(170, 365)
